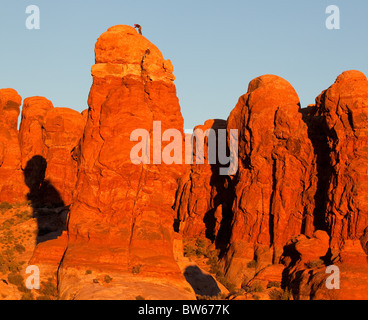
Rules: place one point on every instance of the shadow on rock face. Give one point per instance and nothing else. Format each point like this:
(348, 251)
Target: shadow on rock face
(48, 207)
(202, 284)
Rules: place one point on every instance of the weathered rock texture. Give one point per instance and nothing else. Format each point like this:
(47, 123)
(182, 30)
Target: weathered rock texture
(31, 141)
(48, 137)
(275, 184)
(300, 172)
(12, 187)
(62, 131)
(344, 108)
(203, 201)
(308, 276)
(122, 218)
(338, 126)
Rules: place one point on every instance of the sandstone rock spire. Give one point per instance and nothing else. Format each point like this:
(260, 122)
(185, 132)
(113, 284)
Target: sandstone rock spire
(122, 218)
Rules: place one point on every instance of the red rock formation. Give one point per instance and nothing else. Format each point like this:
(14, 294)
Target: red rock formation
(12, 187)
(269, 274)
(307, 275)
(122, 218)
(33, 149)
(313, 248)
(203, 198)
(30, 130)
(344, 108)
(341, 111)
(275, 183)
(48, 137)
(62, 131)
(299, 171)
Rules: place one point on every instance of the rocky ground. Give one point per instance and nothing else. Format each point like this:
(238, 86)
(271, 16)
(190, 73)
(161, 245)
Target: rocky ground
(18, 237)
(20, 232)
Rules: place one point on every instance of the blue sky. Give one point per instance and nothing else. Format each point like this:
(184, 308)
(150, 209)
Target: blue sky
(216, 47)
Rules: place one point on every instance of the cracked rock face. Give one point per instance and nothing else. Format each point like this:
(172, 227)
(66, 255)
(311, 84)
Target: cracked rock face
(344, 109)
(203, 199)
(273, 189)
(47, 138)
(122, 217)
(62, 131)
(31, 143)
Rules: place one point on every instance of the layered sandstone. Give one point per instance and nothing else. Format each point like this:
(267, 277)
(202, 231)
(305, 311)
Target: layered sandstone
(121, 220)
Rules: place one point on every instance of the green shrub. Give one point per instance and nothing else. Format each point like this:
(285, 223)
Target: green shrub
(215, 269)
(315, 263)
(15, 278)
(189, 250)
(107, 279)
(22, 288)
(20, 248)
(14, 266)
(27, 296)
(88, 271)
(256, 286)
(7, 224)
(252, 264)
(139, 298)
(136, 269)
(273, 284)
(202, 248)
(5, 206)
(227, 284)
(201, 243)
(220, 296)
(199, 248)
(48, 288)
(23, 215)
(22, 204)
(275, 294)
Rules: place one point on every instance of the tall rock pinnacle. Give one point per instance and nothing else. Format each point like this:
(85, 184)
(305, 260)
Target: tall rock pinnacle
(122, 217)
